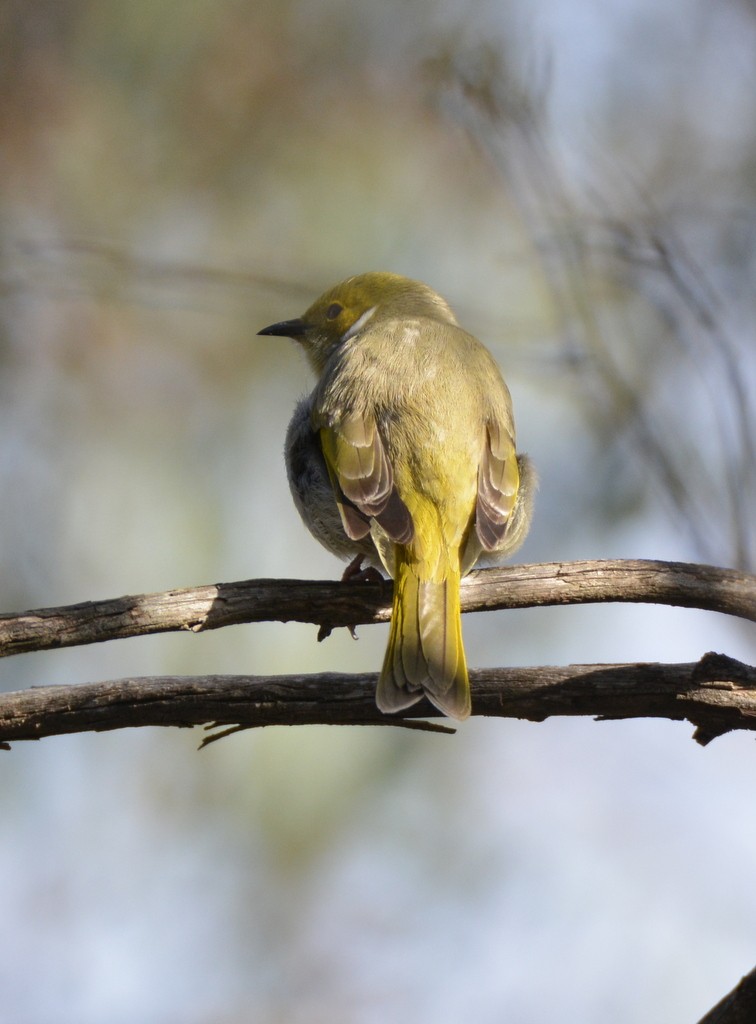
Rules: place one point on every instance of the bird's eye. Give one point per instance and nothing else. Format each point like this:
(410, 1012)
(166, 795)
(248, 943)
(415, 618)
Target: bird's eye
(333, 310)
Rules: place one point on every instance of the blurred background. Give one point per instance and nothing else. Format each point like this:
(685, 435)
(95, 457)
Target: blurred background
(578, 179)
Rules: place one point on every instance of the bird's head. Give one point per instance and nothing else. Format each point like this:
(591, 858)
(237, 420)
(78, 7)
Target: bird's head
(346, 309)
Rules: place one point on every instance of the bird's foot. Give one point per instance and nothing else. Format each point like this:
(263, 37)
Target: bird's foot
(354, 571)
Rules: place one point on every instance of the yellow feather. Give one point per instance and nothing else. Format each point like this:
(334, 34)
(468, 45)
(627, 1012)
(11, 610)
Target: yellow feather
(425, 652)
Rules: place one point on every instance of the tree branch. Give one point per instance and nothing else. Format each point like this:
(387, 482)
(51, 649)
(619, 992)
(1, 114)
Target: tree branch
(331, 604)
(716, 694)
(738, 1007)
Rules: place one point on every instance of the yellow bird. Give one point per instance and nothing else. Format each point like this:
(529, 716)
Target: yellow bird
(404, 455)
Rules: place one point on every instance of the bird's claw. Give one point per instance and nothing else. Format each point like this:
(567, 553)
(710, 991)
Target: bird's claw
(354, 571)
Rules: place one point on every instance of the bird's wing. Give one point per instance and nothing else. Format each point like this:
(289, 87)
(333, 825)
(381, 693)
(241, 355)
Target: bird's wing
(498, 482)
(363, 479)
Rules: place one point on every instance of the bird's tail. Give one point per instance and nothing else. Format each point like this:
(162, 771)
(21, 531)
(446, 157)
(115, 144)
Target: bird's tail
(425, 655)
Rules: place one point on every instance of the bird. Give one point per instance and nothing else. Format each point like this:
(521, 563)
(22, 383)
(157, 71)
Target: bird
(403, 456)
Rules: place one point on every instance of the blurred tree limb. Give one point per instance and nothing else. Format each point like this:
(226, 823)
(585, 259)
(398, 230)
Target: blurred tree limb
(590, 247)
(738, 1006)
(717, 694)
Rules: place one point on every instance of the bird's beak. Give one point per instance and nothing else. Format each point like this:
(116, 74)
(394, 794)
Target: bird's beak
(286, 329)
